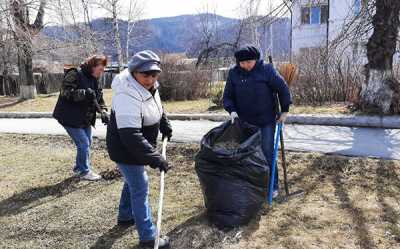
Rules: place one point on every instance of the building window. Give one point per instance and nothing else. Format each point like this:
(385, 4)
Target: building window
(305, 15)
(324, 13)
(359, 6)
(315, 14)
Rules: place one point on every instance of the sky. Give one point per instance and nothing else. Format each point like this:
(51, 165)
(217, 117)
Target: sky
(165, 8)
(168, 8)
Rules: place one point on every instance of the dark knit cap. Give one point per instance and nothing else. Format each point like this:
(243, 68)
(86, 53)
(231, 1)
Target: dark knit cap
(247, 53)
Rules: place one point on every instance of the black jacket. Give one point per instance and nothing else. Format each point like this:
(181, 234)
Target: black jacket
(74, 107)
(132, 145)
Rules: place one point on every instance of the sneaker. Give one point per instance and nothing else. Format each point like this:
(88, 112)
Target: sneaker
(77, 173)
(91, 176)
(126, 223)
(275, 194)
(163, 244)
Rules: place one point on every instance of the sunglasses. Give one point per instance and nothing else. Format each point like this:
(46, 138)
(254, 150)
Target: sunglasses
(148, 74)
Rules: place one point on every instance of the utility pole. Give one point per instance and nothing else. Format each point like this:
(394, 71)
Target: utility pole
(291, 28)
(270, 31)
(327, 44)
(327, 26)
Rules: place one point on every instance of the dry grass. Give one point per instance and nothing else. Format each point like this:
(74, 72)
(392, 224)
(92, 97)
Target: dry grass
(46, 103)
(334, 108)
(4, 100)
(348, 202)
(41, 205)
(189, 106)
(43, 103)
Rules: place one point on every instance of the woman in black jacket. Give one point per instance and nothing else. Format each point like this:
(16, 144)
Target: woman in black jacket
(80, 98)
(136, 117)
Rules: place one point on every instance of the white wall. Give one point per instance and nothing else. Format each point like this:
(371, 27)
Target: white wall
(305, 36)
(314, 35)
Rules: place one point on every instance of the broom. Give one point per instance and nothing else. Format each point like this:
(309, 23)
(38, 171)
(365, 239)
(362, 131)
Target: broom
(289, 72)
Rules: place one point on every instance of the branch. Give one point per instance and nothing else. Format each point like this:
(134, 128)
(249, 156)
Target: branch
(205, 53)
(38, 24)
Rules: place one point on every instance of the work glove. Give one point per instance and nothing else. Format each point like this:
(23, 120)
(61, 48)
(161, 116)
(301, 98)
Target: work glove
(168, 136)
(162, 164)
(165, 127)
(105, 117)
(90, 94)
(166, 131)
(234, 116)
(281, 117)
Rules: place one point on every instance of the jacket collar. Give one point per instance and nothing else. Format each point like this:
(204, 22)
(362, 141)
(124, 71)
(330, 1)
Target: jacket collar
(258, 64)
(146, 94)
(85, 71)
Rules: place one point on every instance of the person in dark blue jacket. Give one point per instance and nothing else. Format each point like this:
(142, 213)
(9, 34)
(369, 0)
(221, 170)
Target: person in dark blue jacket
(249, 94)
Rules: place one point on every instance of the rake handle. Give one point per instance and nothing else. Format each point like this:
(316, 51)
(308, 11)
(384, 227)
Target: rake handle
(274, 163)
(282, 141)
(161, 197)
(283, 156)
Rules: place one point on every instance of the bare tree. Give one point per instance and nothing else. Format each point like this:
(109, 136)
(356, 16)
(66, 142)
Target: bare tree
(113, 7)
(7, 50)
(207, 42)
(245, 31)
(381, 91)
(135, 13)
(24, 32)
(80, 35)
(251, 8)
(378, 22)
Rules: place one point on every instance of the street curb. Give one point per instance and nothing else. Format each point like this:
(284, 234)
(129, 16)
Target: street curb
(386, 122)
(21, 115)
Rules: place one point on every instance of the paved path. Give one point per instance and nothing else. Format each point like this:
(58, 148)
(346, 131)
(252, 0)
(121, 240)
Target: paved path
(374, 142)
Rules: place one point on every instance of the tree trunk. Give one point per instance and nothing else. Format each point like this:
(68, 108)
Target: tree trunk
(117, 36)
(25, 69)
(128, 40)
(381, 91)
(23, 35)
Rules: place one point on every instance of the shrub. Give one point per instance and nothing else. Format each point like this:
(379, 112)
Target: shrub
(182, 82)
(217, 94)
(340, 81)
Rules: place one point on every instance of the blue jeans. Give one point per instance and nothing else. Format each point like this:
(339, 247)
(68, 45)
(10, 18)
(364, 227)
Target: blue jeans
(134, 203)
(267, 137)
(82, 138)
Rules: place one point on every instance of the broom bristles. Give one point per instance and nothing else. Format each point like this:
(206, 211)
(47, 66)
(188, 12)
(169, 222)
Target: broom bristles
(289, 72)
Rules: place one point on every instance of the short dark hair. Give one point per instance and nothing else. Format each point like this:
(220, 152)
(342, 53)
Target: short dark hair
(95, 60)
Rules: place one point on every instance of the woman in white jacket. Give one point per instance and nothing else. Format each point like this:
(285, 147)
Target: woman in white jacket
(136, 118)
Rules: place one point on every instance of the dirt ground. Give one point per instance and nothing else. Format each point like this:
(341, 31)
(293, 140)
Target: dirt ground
(347, 202)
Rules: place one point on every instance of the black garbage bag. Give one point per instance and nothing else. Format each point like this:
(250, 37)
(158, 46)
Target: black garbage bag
(233, 173)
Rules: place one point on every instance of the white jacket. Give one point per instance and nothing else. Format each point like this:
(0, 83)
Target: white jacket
(134, 105)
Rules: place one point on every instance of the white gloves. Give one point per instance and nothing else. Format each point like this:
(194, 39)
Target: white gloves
(234, 116)
(282, 118)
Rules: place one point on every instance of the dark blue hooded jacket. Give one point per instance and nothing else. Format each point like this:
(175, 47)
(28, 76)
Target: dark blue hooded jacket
(251, 93)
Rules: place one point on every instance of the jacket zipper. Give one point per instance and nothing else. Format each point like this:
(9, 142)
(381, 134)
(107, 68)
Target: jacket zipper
(158, 108)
